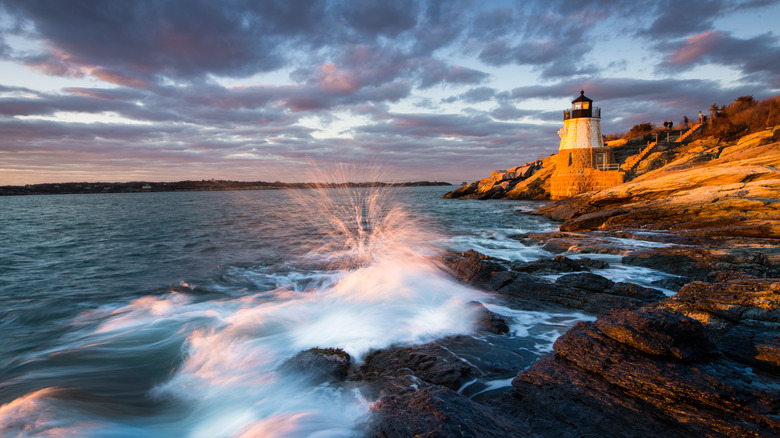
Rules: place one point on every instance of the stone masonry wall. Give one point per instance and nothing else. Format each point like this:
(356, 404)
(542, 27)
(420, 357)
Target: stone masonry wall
(582, 132)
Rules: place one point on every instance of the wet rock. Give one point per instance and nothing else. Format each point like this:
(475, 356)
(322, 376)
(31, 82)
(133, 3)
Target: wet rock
(585, 281)
(320, 364)
(430, 363)
(672, 283)
(492, 357)
(756, 343)
(488, 321)
(584, 291)
(689, 265)
(475, 268)
(556, 265)
(438, 412)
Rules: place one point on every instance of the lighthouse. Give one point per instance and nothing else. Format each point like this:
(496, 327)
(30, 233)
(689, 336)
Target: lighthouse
(583, 163)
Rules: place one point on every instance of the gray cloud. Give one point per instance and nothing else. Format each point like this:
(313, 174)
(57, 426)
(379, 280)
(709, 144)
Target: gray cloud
(758, 58)
(164, 62)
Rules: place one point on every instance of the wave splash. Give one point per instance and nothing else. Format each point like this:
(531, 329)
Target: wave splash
(383, 287)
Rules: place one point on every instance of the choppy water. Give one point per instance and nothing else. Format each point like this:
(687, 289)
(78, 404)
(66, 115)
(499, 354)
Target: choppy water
(169, 314)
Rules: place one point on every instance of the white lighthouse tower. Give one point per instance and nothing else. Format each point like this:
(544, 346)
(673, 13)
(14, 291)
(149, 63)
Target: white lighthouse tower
(583, 163)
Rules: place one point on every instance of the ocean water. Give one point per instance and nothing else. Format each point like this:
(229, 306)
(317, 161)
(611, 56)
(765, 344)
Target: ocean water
(170, 314)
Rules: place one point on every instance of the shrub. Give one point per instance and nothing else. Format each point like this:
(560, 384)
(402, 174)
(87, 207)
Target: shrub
(743, 116)
(639, 130)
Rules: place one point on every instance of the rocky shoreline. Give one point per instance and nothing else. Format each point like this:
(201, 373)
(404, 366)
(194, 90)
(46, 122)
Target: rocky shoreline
(704, 362)
(695, 355)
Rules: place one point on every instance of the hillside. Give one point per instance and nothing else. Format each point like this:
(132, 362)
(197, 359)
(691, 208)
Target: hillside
(745, 123)
(706, 188)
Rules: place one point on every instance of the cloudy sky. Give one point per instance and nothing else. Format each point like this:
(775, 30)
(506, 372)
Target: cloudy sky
(116, 90)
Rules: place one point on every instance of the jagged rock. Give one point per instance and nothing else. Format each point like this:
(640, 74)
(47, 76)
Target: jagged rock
(438, 412)
(729, 302)
(680, 367)
(320, 364)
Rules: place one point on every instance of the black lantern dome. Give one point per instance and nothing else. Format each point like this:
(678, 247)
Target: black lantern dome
(582, 107)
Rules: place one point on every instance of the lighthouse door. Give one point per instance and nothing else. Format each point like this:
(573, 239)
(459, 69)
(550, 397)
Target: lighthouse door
(600, 161)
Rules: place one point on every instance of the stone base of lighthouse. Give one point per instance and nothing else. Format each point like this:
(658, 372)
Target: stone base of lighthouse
(577, 171)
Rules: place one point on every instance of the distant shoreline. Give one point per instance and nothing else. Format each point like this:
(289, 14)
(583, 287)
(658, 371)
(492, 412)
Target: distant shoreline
(185, 186)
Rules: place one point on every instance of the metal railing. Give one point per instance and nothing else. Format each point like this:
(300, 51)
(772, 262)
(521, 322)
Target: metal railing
(608, 166)
(594, 112)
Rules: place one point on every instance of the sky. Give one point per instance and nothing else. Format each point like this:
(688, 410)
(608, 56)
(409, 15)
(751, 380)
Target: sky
(400, 90)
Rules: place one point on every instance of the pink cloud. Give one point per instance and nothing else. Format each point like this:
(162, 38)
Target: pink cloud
(333, 80)
(696, 47)
(58, 63)
(119, 79)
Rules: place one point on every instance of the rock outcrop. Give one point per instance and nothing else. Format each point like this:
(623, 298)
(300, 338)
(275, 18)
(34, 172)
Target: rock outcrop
(529, 181)
(701, 364)
(704, 363)
(731, 191)
(577, 289)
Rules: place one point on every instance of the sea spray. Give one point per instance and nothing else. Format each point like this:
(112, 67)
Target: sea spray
(378, 286)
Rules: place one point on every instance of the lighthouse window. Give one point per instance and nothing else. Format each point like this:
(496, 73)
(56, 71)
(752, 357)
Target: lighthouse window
(585, 105)
(578, 105)
(570, 158)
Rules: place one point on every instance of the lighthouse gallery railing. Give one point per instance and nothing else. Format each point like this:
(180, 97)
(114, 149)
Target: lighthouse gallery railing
(590, 112)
